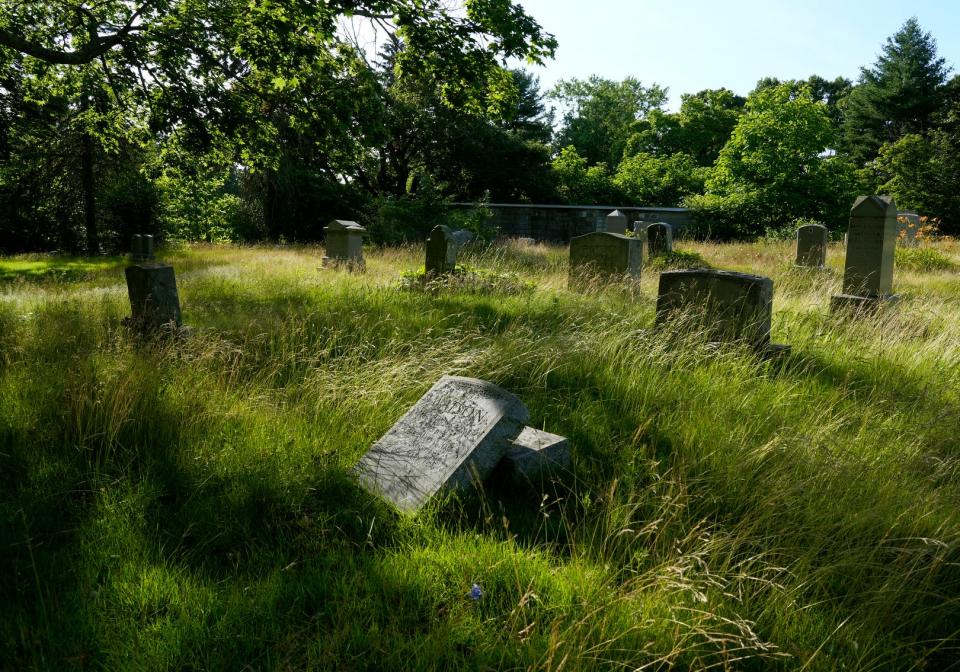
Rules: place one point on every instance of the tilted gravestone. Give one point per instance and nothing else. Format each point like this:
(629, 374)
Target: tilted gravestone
(812, 245)
(154, 302)
(454, 436)
(868, 269)
(605, 255)
(723, 305)
(344, 244)
(441, 252)
(659, 239)
(615, 222)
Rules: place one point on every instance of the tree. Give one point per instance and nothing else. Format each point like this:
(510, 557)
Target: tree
(700, 129)
(922, 173)
(266, 78)
(580, 183)
(600, 114)
(832, 93)
(900, 94)
(777, 159)
(646, 179)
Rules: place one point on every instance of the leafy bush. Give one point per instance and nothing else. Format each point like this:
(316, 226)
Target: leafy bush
(924, 260)
(677, 259)
(654, 180)
(582, 184)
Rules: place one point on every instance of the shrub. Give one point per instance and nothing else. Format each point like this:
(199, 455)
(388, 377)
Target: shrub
(924, 260)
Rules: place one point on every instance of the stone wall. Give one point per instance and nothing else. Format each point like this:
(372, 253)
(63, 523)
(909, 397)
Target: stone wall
(559, 223)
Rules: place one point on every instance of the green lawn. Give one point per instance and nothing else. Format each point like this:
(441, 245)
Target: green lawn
(188, 505)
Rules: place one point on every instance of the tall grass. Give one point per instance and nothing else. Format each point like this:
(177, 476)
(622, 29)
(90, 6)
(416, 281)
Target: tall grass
(188, 504)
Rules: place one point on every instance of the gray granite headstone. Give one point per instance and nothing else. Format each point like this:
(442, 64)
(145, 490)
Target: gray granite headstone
(871, 239)
(812, 245)
(659, 239)
(604, 255)
(461, 237)
(535, 456)
(344, 244)
(616, 222)
(154, 302)
(526, 242)
(908, 226)
(441, 252)
(724, 305)
(458, 432)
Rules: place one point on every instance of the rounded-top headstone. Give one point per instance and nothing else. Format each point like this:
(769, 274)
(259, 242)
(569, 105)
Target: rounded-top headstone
(441, 257)
(659, 238)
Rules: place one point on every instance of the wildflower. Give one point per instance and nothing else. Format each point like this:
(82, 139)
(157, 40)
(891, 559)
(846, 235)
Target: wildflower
(475, 592)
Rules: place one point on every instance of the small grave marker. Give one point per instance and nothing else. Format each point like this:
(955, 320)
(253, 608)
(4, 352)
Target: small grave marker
(908, 226)
(344, 244)
(604, 254)
(812, 245)
(659, 239)
(458, 432)
(616, 222)
(441, 252)
(154, 302)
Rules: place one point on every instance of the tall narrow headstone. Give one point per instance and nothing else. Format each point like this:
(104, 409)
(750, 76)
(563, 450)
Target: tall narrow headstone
(148, 253)
(136, 248)
(812, 245)
(441, 252)
(154, 302)
(723, 305)
(458, 433)
(604, 255)
(871, 239)
(344, 244)
(659, 239)
(616, 222)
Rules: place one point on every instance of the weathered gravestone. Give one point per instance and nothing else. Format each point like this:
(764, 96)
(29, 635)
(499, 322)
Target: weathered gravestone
(812, 245)
(868, 270)
(659, 239)
(154, 302)
(606, 255)
(441, 252)
(526, 242)
(616, 222)
(908, 226)
(461, 237)
(141, 248)
(725, 306)
(344, 244)
(456, 435)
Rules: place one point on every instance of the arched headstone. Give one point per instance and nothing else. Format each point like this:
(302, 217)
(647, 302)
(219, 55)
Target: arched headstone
(441, 252)
(659, 239)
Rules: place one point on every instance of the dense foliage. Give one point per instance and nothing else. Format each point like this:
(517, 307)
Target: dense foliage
(239, 120)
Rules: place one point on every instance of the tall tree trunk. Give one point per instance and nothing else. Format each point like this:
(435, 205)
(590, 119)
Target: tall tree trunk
(89, 188)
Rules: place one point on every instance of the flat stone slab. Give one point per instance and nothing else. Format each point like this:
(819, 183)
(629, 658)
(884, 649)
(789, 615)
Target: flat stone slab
(455, 434)
(534, 456)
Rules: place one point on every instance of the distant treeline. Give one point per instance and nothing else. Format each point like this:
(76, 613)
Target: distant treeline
(263, 121)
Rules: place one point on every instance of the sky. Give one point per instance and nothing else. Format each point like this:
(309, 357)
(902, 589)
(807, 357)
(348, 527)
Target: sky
(690, 45)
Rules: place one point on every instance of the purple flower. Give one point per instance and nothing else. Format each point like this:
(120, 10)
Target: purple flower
(475, 592)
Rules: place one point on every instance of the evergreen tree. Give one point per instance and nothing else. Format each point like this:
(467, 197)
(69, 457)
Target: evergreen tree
(900, 94)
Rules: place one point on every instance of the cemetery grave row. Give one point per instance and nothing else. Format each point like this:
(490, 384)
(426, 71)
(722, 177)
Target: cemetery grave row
(463, 430)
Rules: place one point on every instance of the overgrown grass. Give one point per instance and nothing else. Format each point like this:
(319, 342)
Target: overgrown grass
(189, 506)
